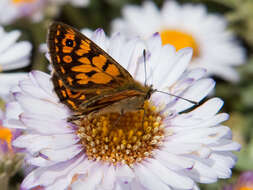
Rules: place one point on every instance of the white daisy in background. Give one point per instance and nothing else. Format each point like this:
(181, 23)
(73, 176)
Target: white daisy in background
(11, 10)
(214, 47)
(169, 150)
(13, 55)
(10, 161)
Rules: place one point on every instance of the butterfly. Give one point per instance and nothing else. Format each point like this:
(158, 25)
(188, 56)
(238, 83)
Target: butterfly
(87, 79)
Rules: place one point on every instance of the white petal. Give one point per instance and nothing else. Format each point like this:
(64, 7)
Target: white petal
(91, 181)
(28, 88)
(209, 108)
(163, 66)
(100, 39)
(45, 176)
(227, 146)
(181, 148)
(67, 179)
(62, 154)
(124, 173)
(195, 93)
(43, 81)
(149, 180)
(195, 74)
(183, 58)
(199, 173)
(46, 126)
(8, 39)
(34, 143)
(13, 110)
(168, 176)
(174, 162)
(109, 178)
(18, 51)
(16, 64)
(37, 106)
(8, 81)
(205, 135)
(222, 169)
(227, 159)
(197, 122)
(39, 161)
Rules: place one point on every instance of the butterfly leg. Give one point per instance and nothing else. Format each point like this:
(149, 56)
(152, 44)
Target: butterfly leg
(75, 119)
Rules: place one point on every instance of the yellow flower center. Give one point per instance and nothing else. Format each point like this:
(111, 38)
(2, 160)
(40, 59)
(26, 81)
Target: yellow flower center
(246, 188)
(180, 40)
(127, 138)
(6, 136)
(22, 1)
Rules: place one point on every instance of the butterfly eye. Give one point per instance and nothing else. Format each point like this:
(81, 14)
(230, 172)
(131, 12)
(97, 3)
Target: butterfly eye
(69, 43)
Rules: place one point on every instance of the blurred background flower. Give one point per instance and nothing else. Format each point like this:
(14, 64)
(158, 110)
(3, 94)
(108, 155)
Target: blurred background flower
(215, 48)
(10, 160)
(13, 55)
(36, 10)
(244, 182)
(225, 27)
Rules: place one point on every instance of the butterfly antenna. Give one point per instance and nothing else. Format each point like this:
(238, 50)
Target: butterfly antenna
(145, 67)
(191, 101)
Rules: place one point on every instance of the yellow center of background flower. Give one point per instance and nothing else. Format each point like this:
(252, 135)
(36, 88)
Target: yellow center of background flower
(22, 1)
(246, 188)
(180, 40)
(6, 136)
(126, 138)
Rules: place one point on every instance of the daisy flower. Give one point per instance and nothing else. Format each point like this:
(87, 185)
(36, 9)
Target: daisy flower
(168, 147)
(10, 161)
(214, 47)
(13, 55)
(11, 10)
(21, 8)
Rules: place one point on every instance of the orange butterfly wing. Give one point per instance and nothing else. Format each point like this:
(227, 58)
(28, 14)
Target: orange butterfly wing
(86, 102)
(80, 63)
(86, 78)
(70, 98)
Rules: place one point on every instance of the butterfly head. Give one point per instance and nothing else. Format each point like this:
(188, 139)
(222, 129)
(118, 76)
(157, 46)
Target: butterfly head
(150, 91)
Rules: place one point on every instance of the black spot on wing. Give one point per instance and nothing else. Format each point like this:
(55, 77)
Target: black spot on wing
(105, 66)
(89, 74)
(69, 43)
